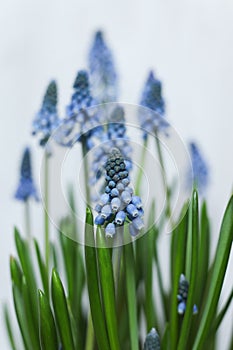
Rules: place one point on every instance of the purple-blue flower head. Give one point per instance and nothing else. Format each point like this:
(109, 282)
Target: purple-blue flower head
(152, 120)
(198, 175)
(46, 120)
(26, 187)
(115, 136)
(79, 112)
(183, 296)
(102, 71)
(118, 204)
(152, 341)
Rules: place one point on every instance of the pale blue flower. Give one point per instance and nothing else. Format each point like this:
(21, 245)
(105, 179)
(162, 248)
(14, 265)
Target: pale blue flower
(26, 188)
(118, 204)
(183, 296)
(46, 120)
(102, 71)
(152, 341)
(152, 119)
(198, 175)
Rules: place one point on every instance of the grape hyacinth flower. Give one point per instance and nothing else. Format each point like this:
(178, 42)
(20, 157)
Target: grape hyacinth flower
(198, 175)
(183, 295)
(46, 120)
(102, 71)
(26, 187)
(152, 99)
(152, 341)
(114, 137)
(79, 112)
(118, 204)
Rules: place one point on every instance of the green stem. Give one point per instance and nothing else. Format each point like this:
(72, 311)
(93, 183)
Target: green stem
(90, 334)
(86, 172)
(46, 210)
(166, 187)
(141, 166)
(27, 220)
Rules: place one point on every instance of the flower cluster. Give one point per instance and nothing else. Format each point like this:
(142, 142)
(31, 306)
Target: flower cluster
(114, 137)
(79, 111)
(26, 187)
(183, 295)
(152, 120)
(46, 120)
(152, 341)
(118, 203)
(198, 175)
(102, 71)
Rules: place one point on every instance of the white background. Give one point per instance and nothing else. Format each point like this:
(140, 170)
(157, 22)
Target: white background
(188, 43)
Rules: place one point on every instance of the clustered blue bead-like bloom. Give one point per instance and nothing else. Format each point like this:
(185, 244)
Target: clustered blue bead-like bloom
(198, 175)
(118, 204)
(26, 187)
(114, 137)
(79, 112)
(152, 341)
(183, 295)
(152, 120)
(102, 71)
(46, 120)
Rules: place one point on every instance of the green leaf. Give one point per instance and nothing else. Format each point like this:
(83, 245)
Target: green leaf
(32, 325)
(166, 340)
(179, 240)
(42, 268)
(221, 315)
(61, 312)
(16, 272)
(107, 289)
(129, 266)
(9, 328)
(193, 233)
(21, 317)
(204, 252)
(48, 334)
(219, 270)
(93, 285)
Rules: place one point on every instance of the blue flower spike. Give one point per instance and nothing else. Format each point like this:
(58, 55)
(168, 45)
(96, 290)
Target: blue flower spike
(199, 176)
(152, 341)
(152, 119)
(183, 295)
(102, 71)
(79, 112)
(26, 188)
(118, 204)
(114, 137)
(46, 120)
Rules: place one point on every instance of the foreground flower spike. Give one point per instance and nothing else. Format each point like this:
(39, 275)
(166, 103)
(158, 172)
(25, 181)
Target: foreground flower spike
(200, 176)
(79, 111)
(152, 341)
(152, 99)
(183, 295)
(102, 71)
(46, 120)
(26, 187)
(118, 204)
(114, 137)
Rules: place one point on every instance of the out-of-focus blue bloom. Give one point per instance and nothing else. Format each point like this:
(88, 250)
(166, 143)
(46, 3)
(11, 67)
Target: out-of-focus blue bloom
(115, 209)
(102, 71)
(152, 120)
(183, 295)
(198, 175)
(114, 137)
(152, 341)
(46, 120)
(81, 112)
(26, 187)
